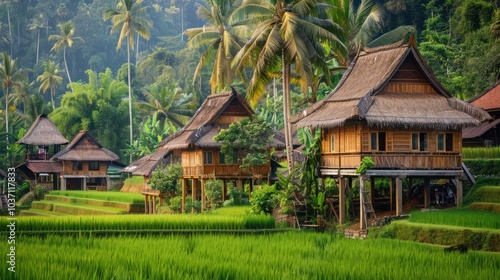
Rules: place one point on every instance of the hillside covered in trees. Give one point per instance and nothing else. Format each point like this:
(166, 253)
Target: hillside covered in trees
(69, 59)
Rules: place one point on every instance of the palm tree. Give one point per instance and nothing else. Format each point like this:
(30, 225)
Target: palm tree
(50, 79)
(288, 33)
(127, 19)
(360, 25)
(219, 41)
(170, 103)
(65, 39)
(21, 93)
(9, 76)
(37, 23)
(8, 4)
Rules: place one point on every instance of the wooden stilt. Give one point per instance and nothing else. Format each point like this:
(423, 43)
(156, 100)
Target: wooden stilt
(342, 200)
(372, 190)
(460, 191)
(391, 198)
(224, 190)
(184, 191)
(399, 196)
(427, 193)
(203, 201)
(146, 204)
(154, 204)
(194, 186)
(362, 212)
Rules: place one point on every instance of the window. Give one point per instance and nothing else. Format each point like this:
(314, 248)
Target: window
(77, 165)
(222, 158)
(419, 141)
(440, 142)
(207, 157)
(332, 144)
(377, 141)
(93, 165)
(449, 142)
(423, 141)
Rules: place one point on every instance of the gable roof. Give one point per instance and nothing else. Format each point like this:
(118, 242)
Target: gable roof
(200, 129)
(362, 95)
(43, 132)
(489, 99)
(81, 150)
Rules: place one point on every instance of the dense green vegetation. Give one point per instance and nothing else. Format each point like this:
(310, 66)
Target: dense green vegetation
(458, 217)
(109, 196)
(290, 255)
(64, 50)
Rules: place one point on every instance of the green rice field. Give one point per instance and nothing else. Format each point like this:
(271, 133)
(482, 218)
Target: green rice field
(108, 196)
(289, 255)
(458, 217)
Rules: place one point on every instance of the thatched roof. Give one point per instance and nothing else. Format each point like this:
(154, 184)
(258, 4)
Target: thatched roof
(489, 99)
(363, 94)
(43, 132)
(84, 147)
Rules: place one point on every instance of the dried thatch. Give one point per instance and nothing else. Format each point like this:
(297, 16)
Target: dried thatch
(84, 147)
(362, 95)
(43, 132)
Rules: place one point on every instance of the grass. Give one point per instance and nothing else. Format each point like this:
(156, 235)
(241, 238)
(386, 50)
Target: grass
(458, 217)
(481, 153)
(134, 223)
(107, 196)
(290, 255)
(75, 209)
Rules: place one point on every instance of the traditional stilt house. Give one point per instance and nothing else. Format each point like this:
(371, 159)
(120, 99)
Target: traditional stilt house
(199, 154)
(390, 107)
(42, 141)
(488, 134)
(85, 164)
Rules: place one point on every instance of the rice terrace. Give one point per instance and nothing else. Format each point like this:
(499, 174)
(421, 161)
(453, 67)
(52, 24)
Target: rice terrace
(250, 139)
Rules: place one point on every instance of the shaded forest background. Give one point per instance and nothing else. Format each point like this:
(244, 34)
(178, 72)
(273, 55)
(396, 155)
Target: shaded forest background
(459, 40)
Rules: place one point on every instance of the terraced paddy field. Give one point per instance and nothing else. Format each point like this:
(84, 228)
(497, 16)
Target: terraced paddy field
(59, 203)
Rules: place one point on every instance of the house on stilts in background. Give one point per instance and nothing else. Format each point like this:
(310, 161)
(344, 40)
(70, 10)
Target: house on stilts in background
(42, 141)
(200, 154)
(389, 106)
(488, 133)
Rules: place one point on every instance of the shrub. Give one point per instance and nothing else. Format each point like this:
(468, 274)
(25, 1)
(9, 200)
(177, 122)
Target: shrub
(237, 197)
(40, 192)
(264, 199)
(213, 192)
(483, 167)
(166, 179)
(192, 204)
(175, 203)
(331, 188)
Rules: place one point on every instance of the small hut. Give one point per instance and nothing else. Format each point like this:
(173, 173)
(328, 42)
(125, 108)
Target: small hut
(42, 141)
(488, 133)
(390, 107)
(85, 164)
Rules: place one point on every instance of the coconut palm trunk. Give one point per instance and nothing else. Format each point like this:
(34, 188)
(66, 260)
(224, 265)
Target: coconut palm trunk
(287, 111)
(67, 71)
(129, 93)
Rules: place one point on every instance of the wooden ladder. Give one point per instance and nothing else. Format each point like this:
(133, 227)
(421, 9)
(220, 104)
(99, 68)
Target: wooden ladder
(367, 203)
(3, 201)
(301, 215)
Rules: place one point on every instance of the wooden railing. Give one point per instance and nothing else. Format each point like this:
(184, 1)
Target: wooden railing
(39, 156)
(395, 160)
(224, 170)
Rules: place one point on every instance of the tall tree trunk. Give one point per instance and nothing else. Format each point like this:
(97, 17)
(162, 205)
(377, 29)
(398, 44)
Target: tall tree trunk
(7, 120)
(287, 112)
(67, 71)
(129, 93)
(37, 47)
(10, 31)
(52, 97)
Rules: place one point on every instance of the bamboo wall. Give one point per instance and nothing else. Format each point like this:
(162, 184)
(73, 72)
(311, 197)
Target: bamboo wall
(353, 142)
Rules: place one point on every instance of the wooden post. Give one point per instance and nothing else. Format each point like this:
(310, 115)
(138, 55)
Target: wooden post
(153, 198)
(239, 184)
(184, 191)
(399, 196)
(362, 212)
(460, 191)
(194, 183)
(342, 200)
(427, 193)
(250, 188)
(391, 184)
(224, 190)
(151, 208)
(146, 204)
(202, 195)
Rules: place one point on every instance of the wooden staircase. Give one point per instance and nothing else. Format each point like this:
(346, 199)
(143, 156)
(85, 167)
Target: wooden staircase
(302, 217)
(367, 203)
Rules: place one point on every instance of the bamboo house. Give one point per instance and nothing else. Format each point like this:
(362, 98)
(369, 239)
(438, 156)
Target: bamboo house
(389, 106)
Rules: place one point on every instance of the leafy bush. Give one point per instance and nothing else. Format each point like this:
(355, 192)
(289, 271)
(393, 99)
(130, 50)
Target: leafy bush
(236, 197)
(175, 203)
(331, 188)
(264, 199)
(192, 204)
(40, 192)
(213, 192)
(166, 179)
